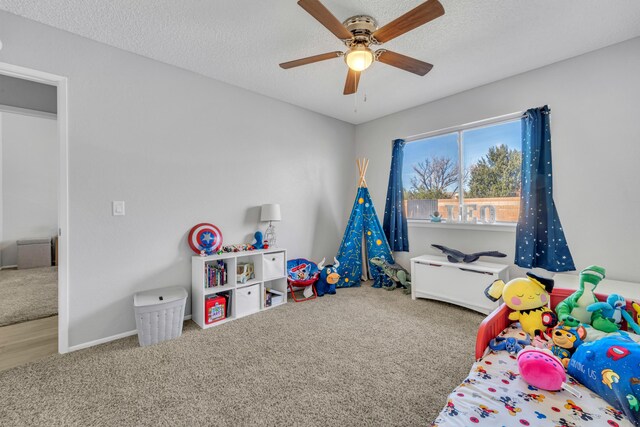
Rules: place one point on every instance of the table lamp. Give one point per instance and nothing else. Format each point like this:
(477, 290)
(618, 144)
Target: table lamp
(270, 212)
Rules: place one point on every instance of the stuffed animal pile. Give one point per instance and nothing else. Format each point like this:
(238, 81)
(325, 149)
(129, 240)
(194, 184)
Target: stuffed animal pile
(610, 366)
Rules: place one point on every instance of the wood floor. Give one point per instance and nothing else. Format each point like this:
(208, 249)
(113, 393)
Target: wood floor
(28, 341)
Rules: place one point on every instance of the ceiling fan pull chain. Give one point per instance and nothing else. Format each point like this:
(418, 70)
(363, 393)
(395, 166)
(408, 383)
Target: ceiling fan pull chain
(355, 103)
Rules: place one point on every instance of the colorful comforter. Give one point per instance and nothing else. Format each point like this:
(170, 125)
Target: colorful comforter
(494, 395)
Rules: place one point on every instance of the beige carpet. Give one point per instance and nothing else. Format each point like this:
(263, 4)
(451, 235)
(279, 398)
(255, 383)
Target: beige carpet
(28, 294)
(362, 357)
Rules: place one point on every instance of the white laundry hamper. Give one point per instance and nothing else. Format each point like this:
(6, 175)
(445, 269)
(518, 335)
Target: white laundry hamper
(159, 314)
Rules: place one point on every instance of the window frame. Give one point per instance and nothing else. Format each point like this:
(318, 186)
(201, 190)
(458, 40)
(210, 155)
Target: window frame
(458, 130)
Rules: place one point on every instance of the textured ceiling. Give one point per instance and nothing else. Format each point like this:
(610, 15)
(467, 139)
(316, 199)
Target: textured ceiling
(241, 42)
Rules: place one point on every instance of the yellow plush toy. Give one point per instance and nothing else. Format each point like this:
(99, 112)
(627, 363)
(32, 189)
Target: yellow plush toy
(528, 297)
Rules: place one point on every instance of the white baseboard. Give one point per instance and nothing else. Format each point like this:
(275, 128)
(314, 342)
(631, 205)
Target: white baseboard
(109, 339)
(8, 266)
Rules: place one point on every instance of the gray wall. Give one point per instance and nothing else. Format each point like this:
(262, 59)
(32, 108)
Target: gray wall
(28, 95)
(29, 181)
(179, 149)
(596, 149)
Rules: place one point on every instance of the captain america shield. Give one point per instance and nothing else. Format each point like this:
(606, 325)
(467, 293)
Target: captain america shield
(205, 237)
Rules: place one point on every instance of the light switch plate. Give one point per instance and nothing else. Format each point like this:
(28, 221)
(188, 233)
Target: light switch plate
(118, 208)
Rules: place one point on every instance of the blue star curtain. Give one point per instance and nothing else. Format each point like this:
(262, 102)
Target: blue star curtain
(395, 222)
(540, 240)
(363, 221)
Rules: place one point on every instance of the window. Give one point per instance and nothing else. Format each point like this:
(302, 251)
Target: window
(468, 175)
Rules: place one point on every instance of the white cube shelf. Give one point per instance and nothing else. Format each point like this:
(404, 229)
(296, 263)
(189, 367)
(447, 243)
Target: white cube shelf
(246, 298)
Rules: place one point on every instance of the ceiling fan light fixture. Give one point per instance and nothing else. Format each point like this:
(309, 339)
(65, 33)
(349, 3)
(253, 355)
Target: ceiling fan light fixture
(359, 58)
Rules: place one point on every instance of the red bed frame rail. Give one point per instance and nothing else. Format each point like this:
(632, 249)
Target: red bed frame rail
(498, 320)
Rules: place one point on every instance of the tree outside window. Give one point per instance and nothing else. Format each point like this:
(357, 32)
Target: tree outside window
(490, 179)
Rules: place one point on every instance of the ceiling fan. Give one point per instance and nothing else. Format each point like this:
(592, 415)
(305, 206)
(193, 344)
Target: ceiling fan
(359, 32)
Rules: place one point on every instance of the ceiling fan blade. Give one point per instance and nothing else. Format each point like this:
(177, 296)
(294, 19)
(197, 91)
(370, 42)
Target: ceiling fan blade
(311, 59)
(351, 85)
(427, 11)
(326, 18)
(403, 62)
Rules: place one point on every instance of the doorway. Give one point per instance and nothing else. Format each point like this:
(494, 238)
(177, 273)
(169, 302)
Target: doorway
(34, 230)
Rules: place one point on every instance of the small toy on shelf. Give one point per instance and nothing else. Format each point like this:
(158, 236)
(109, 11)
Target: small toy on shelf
(244, 272)
(528, 297)
(565, 341)
(510, 344)
(573, 309)
(259, 244)
(242, 247)
(329, 276)
(614, 309)
(435, 217)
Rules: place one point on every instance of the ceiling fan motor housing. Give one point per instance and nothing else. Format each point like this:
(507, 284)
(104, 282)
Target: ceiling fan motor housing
(362, 27)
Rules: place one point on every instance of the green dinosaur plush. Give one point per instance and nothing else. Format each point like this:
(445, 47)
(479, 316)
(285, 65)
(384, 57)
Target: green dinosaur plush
(573, 310)
(395, 272)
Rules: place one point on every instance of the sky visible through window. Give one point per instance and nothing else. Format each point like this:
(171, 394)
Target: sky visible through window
(476, 144)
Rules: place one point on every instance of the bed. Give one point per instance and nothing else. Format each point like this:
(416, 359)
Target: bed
(493, 393)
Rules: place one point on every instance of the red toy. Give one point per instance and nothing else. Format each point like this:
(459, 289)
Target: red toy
(215, 309)
(205, 237)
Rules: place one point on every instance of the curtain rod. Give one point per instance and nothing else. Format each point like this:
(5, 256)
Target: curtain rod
(485, 122)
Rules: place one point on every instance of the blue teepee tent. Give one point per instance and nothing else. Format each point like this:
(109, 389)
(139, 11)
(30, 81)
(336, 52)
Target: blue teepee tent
(363, 222)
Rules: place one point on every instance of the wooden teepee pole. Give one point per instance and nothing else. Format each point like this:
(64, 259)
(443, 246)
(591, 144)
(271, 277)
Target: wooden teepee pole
(363, 164)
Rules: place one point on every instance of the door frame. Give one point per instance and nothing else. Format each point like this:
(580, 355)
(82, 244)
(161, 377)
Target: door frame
(63, 189)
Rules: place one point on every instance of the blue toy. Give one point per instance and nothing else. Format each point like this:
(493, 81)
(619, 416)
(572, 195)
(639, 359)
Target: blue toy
(609, 367)
(329, 276)
(566, 339)
(510, 344)
(615, 310)
(259, 244)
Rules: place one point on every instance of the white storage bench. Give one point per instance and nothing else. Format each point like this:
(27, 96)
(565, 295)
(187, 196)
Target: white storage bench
(434, 277)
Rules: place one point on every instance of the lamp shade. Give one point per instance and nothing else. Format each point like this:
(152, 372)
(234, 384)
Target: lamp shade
(359, 58)
(270, 212)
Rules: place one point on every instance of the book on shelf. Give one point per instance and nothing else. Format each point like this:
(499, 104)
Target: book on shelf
(215, 274)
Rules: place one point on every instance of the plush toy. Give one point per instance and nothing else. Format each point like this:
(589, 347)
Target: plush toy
(328, 278)
(543, 370)
(573, 309)
(528, 297)
(610, 309)
(512, 345)
(454, 255)
(614, 309)
(398, 275)
(636, 307)
(258, 243)
(565, 341)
